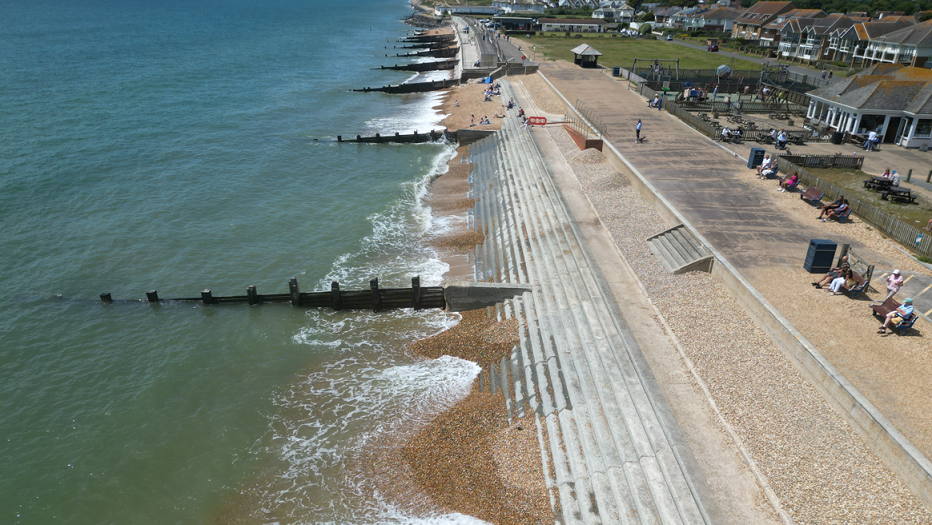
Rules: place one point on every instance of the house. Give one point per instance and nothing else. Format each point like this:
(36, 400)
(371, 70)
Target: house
(679, 20)
(842, 45)
(771, 31)
(720, 19)
(911, 46)
(749, 25)
(892, 99)
(511, 7)
(661, 15)
(808, 38)
(623, 13)
(440, 10)
(563, 25)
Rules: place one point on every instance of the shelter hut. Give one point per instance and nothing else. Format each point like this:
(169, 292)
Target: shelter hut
(585, 56)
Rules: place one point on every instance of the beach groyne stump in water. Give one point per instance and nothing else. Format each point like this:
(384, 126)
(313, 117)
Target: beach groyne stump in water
(375, 298)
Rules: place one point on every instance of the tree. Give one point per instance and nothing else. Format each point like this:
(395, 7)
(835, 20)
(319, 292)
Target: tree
(644, 29)
(648, 17)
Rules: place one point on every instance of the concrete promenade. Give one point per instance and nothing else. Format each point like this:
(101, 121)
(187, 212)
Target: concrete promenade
(765, 235)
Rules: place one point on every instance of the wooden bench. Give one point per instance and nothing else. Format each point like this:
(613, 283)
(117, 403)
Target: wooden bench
(881, 311)
(843, 216)
(813, 195)
(877, 183)
(859, 287)
(791, 187)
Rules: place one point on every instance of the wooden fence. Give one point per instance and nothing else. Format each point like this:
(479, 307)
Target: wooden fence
(905, 234)
(374, 298)
(825, 161)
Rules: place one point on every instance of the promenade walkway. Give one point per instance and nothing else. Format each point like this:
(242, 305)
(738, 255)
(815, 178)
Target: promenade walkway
(765, 235)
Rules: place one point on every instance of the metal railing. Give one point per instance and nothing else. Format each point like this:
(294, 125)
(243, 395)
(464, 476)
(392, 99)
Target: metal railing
(596, 123)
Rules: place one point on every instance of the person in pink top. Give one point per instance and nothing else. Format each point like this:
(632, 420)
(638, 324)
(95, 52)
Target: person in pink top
(894, 282)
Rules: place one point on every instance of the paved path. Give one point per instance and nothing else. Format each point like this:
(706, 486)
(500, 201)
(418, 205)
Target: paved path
(763, 238)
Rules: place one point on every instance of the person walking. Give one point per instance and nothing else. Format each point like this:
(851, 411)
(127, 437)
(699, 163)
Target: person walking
(637, 132)
(824, 72)
(894, 283)
(829, 75)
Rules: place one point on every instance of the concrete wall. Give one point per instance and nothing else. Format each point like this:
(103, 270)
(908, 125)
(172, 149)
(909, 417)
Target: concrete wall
(467, 136)
(878, 433)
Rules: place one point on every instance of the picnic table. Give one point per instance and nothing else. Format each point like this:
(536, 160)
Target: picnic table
(897, 193)
(877, 183)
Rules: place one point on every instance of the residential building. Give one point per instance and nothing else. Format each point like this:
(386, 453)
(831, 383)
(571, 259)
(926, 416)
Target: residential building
(893, 100)
(842, 45)
(808, 38)
(661, 15)
(750, 24)
(624, 13)
(440, 10)
(562, 25)
(771, 31)
(911, 46)
(721, 19)
(511, 7)
(678, 20)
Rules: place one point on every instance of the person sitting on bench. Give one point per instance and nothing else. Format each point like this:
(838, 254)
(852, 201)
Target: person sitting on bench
(832, 273)
(726, 134)
(654, 103)
(764, 165)
(770, 172)
(904, 312)
(831, 206)
(846, 278)
(790, 181)
(832, 214)
(736, 134)
(781, 139)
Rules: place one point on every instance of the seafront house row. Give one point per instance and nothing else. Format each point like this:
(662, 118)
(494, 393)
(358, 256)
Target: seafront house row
(893, 100)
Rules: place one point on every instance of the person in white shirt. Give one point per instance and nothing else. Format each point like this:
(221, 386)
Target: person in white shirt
(871, 141)
(765, 165)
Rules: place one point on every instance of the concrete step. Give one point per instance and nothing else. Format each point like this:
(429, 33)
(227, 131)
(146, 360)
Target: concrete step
(679, 251)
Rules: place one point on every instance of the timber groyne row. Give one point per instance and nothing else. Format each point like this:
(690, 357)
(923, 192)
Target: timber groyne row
(375, 298)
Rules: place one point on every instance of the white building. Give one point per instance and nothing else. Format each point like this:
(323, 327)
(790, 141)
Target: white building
(893, 100)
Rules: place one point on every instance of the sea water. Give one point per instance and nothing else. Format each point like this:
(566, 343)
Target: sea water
(181, 145)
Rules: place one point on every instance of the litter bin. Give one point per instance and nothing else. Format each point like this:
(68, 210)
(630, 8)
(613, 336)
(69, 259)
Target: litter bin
(755, 158)
(820, 255)
(837, 137)
(616, 71)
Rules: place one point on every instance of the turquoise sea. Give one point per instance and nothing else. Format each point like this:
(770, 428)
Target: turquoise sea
(171, 145)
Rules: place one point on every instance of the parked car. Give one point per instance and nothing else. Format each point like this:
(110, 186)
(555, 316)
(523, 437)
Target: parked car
(669, 38)
(713, 48)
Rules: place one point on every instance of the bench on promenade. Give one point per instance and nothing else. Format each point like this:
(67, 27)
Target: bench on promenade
(791, 187)
(812, 195)
(881, 311)
(859, 287)
(841, 217)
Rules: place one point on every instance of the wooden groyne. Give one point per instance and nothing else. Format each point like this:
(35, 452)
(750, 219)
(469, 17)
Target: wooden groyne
(445, 37)
(423, 66)
(422, 45)
(413, 87)
(412, 138)
(443, 52)
(375, 298)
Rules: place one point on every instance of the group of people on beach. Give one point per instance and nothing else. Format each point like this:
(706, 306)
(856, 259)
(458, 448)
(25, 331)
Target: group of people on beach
(844, 276)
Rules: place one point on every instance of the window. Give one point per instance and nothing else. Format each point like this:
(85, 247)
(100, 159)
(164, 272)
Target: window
(923, 128)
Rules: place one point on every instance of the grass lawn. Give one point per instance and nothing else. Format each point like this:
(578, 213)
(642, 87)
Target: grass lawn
(621, 51)
(916, 213)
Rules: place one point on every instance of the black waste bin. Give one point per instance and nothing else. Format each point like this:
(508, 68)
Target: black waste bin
(616, 71)
(755, 158)
(838, 137)
(820, 256)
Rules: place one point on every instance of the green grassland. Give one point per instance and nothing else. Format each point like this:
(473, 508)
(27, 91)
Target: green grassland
(621, 51)
(916, 213)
